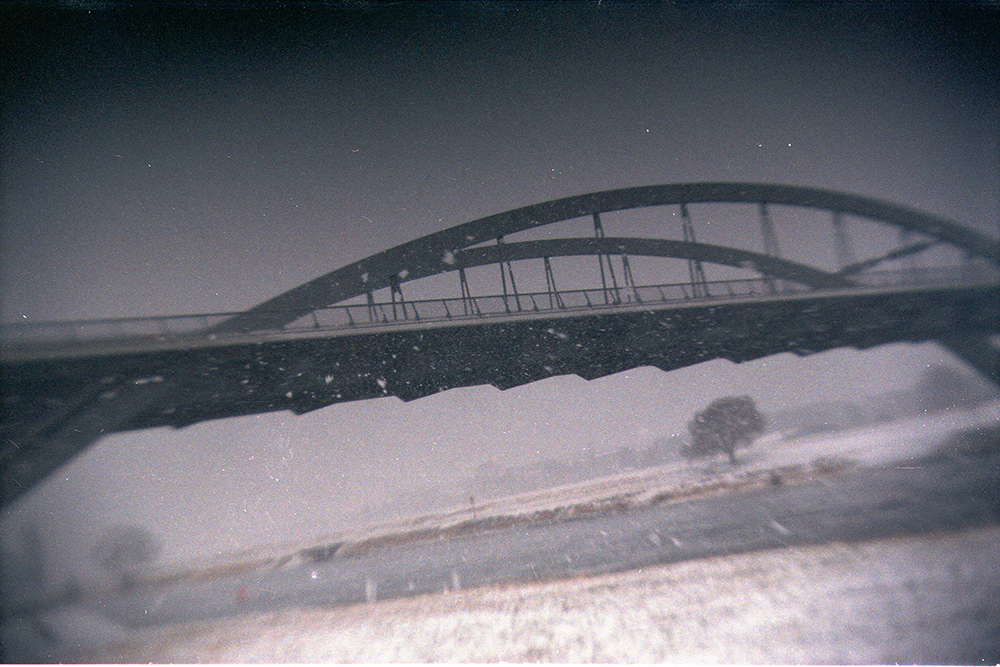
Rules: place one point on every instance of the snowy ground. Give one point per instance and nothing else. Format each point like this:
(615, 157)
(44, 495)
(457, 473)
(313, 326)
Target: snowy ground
(910, 599)
(797, 459)
(931, 599)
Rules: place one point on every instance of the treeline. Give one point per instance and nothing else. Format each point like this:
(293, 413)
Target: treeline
(493, 479)
(937, 388)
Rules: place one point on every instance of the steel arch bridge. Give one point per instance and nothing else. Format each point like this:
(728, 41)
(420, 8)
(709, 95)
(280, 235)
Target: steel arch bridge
(335, 339)
(454, 249)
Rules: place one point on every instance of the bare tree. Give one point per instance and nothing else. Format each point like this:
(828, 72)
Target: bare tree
(123, 549)
(722, 427)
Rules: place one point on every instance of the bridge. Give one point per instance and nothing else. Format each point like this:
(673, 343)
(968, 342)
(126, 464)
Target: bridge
(499, 309)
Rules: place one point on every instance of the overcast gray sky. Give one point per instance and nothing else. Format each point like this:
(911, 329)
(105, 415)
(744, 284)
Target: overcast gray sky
(179, 159)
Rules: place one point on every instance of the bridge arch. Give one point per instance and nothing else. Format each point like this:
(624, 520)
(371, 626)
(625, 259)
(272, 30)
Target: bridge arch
(774, 267)
(441, 251)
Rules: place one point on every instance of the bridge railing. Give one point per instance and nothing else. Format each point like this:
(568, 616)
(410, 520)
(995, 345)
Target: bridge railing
(478, 307)
(191, 328)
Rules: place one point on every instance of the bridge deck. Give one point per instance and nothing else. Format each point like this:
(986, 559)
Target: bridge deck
(65, 340)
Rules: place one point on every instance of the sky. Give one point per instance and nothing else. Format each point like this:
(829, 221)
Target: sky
(173, 158)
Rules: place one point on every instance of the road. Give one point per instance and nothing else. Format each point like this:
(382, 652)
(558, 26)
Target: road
(934, 493)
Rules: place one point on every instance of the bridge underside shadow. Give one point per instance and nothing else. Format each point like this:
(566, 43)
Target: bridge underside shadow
(54, 408)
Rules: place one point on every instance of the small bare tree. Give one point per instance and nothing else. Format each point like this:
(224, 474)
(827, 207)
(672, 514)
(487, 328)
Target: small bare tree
(123, 549)
(722, 427)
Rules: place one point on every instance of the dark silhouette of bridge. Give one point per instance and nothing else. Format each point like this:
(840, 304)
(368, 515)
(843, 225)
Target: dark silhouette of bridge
(351, 335)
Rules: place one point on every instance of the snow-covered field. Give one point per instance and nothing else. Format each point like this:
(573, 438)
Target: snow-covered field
(795, 460)
(931, 599)
(906, 599)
